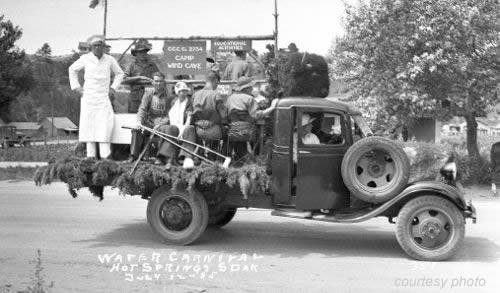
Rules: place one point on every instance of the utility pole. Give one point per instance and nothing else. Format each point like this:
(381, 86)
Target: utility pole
(105, 17)
(52, 114)
(275, 28)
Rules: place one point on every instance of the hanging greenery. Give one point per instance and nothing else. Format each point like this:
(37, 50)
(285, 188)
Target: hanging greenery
(94, 174)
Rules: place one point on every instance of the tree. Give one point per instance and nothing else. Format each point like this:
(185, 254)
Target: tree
(411, 58)
(51, 92)
(15, 74)
(44, 51)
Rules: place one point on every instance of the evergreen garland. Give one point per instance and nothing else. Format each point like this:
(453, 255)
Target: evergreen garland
(94, 174)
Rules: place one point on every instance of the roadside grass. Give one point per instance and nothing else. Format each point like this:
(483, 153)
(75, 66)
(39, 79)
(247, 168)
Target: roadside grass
(36, 153)
(38, 284)
(17, 173)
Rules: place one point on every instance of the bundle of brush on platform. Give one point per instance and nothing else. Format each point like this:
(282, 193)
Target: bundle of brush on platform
(94, 174)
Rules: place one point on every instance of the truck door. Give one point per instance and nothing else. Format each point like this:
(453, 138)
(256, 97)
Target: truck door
(281, 157)
(321, 139)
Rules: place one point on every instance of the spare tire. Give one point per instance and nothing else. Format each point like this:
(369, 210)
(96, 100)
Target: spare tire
(375, 169)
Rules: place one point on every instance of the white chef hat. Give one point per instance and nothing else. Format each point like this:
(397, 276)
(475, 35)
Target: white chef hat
(92, 40)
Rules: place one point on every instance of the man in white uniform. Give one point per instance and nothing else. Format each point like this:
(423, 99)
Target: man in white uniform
(96, 112)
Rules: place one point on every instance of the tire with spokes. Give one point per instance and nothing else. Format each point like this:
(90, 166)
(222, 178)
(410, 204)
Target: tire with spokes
(178, 216)
(375, 169)
(430, 228)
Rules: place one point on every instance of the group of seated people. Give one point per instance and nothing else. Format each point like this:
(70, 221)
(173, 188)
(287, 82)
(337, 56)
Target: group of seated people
(202, 117)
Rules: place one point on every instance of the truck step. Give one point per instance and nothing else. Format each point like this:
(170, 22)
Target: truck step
(292, 214)
(344, 217)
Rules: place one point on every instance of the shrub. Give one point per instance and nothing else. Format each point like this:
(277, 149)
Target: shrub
(17, 173)
(36, 153)
(427, 158)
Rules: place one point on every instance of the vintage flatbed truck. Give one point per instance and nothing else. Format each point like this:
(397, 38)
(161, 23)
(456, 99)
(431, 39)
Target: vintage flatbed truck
(348, 177)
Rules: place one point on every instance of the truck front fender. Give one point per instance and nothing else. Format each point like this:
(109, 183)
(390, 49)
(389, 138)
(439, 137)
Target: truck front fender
(392, 207)
(451, 193)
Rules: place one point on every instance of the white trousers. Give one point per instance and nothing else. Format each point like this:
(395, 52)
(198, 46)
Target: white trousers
(104, 149)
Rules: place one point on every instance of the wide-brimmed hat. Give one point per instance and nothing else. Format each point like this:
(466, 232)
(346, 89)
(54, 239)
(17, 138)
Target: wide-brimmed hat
(306, 119)
(95, 39)
(142, 45)
(244, 82)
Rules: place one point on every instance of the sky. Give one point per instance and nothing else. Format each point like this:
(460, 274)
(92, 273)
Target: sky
(311, 24)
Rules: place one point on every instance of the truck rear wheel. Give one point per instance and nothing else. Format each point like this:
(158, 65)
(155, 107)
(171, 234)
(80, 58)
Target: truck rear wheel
(179, 217)
(375, 169)
(221, 218)
(430, 228)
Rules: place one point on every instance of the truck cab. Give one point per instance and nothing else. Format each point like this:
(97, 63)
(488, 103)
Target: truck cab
(307, 176)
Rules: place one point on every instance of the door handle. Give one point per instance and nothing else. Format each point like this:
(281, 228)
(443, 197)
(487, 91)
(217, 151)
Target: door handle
(304, 152)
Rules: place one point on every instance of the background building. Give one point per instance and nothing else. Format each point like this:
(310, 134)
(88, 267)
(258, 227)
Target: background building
(61, 126)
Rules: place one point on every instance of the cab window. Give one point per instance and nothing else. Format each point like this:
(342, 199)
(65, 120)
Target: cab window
(321, 128)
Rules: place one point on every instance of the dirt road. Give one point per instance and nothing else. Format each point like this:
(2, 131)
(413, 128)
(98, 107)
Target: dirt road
(254, 253)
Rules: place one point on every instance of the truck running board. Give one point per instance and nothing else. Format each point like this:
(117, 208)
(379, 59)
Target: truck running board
(292, 214)
(350, 217)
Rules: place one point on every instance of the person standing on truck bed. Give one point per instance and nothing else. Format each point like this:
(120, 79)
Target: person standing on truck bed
(238, 67)
(96, 112)
(138, 73)
(242, 113)
(209, 111)
(153, 113)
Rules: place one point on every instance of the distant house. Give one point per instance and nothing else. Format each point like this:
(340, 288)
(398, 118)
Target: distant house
(31, 129)
(487, 126)
(455, 126)
(458, 125)
(61, 126)
(2, 122)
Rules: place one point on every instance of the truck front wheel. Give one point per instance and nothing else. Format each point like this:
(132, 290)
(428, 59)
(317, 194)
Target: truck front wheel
(430, 228)
(178, 216)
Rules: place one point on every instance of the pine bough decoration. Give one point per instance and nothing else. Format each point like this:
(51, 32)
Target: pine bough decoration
(94, 174)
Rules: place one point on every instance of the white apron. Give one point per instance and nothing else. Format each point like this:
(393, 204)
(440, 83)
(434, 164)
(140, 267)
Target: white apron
(96, 119)
(96, 112)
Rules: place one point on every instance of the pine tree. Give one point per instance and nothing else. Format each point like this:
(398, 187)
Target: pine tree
(15, 74)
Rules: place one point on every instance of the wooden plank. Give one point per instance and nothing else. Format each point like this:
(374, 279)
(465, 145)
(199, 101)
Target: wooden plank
(191, 38)
(201, 81)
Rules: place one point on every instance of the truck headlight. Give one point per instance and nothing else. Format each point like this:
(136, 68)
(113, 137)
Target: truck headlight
(449, 171)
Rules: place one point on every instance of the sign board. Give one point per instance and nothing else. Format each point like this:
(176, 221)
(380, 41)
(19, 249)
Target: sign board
(185, 57)
(231, 45)
(224, 89)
